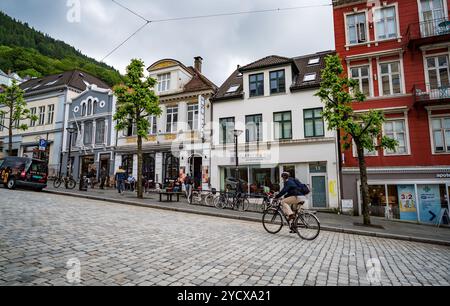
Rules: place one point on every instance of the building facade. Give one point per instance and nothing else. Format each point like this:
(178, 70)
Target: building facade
(46, 98)
(93, 136)
(399, 51)
(178, 140)
(271, 101)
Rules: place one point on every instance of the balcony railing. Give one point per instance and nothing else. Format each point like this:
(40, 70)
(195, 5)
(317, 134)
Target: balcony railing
(428, 29)
(431, 92)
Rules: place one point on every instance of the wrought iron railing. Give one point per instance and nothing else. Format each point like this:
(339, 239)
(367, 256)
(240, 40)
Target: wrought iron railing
(429, 28)
(431, 91)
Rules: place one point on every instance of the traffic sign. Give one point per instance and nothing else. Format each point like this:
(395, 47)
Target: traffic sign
(42, 145)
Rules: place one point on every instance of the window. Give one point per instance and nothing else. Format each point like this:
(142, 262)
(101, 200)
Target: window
(314, 126)
(33, 113)
(83, 109)
(362, 75)
(51, 112)
(386, 23)
(356, 28)
(256, 85)
(283, 125)
(433, 13)
(309, 77)
(89, 107)
(441, 134)
(100, 132)
(390, 78)
(314, 61)
(41, 115)
(127, 163)
(172, 119)
(153, 130)
(193, 117)
(131, 129)
(366, 151)
(233, 89)
(164, 82)
(253, 128)
(277, 82)
(2, 122)
(87, 139)
(226, 130)
(438, 71)
(396, 129)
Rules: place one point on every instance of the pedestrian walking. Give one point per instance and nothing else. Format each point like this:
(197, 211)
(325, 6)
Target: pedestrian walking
(120, 180)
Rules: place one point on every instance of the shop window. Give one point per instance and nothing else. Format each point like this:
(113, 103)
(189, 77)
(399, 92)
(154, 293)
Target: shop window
(127, 163)
(377, 195)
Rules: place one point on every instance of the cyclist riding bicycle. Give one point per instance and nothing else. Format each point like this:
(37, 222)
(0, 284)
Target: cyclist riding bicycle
(294, 192)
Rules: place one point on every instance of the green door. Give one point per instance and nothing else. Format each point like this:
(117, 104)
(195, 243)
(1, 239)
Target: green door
(319, 191)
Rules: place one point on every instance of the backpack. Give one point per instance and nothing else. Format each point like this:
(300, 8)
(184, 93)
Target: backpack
(302, 188)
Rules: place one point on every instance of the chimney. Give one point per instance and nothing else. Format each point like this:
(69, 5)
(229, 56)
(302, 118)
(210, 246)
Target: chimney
(198, 63)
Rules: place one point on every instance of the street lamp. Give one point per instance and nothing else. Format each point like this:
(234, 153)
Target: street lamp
(236, 134)
(70, 130)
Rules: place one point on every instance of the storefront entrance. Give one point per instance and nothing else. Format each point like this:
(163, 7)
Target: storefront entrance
(87, 164)
(195, 171)
(148, 171)
(105, 163)
(318, 173)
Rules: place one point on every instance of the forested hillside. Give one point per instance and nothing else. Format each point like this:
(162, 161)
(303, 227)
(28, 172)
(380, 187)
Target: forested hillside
(32, 53)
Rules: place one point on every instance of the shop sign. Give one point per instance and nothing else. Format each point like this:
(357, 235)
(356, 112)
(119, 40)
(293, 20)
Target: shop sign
(407, 202)
(443, 175)
(430, 203)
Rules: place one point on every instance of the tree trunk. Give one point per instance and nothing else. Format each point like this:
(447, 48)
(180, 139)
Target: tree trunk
(364, 184)
(10, 133)
(140, 191)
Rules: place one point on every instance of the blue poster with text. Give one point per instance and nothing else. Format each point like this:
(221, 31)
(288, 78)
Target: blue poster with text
(429, 202)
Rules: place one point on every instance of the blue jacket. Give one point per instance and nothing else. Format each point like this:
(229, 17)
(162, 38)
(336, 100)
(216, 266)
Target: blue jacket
(290, 189)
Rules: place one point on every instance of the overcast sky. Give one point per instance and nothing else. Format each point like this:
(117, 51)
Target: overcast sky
(223, 42)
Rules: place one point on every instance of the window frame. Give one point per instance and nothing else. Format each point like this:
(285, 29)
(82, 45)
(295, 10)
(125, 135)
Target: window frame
(33, 111)
(397, 22)
(92, 141)
(50, 113)
(164, 81)
(193, 124)
(223, 133)
(443, 129)
(380, 78)
(41, 117)
(259, 128)
(256, 82)
(347, 36)
(281, 82)
(313, 119)
(386, 152)
(173, 124)
(97, 132)
(153, 125)
(282, 125)
(427, 69)
(370, 77)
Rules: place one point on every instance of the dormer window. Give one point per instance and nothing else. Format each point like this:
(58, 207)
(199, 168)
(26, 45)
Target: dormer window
(233, 89)
(164, 82)
(277, 82)
(256, 82)
(314, 61)
(309, 77)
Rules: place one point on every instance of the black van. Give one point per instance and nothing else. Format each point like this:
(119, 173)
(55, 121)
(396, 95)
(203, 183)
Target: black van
(23, 172)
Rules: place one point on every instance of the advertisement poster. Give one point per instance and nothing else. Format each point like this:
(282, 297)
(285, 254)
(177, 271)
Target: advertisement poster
(407, 202)
(430, 203)
(205, 178)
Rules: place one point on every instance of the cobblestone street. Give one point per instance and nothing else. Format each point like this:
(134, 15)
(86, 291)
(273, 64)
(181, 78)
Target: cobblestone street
(125, 245)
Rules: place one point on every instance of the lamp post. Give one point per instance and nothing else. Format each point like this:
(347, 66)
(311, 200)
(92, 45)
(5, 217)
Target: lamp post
(70, 130)
(236, 134)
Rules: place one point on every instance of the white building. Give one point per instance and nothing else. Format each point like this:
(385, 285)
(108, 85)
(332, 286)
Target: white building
(178, 141)
(272, 102)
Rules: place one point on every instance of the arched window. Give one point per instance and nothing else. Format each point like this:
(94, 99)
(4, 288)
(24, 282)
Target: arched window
(89, 107)
(83, 109)
(94, 105)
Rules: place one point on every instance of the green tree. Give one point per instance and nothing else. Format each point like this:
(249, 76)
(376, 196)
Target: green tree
(13, 109)
(136, 102)
(338, 93)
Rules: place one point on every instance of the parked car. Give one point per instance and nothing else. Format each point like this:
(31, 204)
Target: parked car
(231, 183)
(23, 172)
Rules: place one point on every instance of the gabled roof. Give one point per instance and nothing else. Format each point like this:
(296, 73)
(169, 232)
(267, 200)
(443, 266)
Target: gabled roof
(300, 68)
(198, 82)
(268, 61)
(74, 78)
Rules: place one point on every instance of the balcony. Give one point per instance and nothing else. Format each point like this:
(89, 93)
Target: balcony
(430, 94)
(428, 32)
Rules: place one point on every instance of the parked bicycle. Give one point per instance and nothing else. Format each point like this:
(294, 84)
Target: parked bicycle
(238, 201)
(207, 198)
(68, 182)
(305, 224)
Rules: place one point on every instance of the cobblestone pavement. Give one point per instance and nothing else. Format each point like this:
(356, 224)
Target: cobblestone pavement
(123, 245)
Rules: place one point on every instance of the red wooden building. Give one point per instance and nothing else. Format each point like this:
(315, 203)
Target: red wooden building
(399, 51)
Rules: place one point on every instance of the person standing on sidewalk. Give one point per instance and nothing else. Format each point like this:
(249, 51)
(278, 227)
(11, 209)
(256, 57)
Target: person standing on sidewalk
(103, 176)
(188, 186)
(120, 180)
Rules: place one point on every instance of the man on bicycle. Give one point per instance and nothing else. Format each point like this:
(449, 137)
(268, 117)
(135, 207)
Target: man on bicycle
(293, 195)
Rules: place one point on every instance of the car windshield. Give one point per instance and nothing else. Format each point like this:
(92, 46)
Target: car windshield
(1, 162)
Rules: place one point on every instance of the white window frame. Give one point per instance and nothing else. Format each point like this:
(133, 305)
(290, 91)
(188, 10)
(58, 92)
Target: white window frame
(41, 115)
(407, 142)
(104, 132)
(430, 124)
(153, 122)
(366, 153)
(51, 113)
(347, 41)
(380, 80)
(164, 82)
(371, 90)
(173, 124)
(195, 120)
(419, 7)
(425, 66)
(397, 22)
(33, 111)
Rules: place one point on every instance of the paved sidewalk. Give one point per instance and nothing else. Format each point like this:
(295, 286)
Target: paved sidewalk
(329, 221)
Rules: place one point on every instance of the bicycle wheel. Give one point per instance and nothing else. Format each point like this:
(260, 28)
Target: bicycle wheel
(244, 204)
(272, 221)
(209, 200)
(220, 202)
(71, 183)
(57, 183)
(308, 226)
